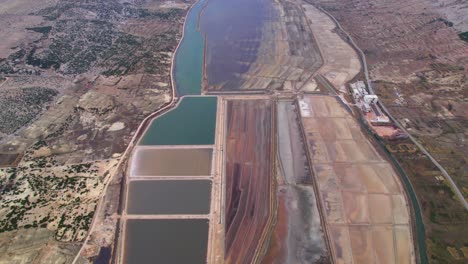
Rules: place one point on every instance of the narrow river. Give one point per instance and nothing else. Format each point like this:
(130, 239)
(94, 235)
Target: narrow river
(188, 63)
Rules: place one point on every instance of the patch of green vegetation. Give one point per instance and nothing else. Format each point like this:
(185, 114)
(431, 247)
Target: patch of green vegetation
(18, 107)
(464, 36)
(49, 13)
(79, 168)
(43, 30)
(80, 222)
(446, 67)
(113, 72)
(122, 55)
(444, 217)
(169, 14)
(17, 55)
(5, 68)
(370, 52)
(79, 45)
(39, 144)
(43, 189)
(41, 162)
(436, 251)
(445, 21)
(146, 55)
(63, 126)
(46, 60)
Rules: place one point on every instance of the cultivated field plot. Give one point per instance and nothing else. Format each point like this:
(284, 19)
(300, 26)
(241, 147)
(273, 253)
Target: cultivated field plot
(248, 177)
(172, 162)
(169, 197)
(365, 208)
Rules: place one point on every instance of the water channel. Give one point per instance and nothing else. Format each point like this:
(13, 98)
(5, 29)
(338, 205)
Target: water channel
(188, 63)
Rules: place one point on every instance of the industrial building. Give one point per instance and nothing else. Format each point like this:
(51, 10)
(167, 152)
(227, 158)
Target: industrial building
(368, 104)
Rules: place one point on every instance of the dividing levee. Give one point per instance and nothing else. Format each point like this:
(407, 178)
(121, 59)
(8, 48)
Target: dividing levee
(248, 179)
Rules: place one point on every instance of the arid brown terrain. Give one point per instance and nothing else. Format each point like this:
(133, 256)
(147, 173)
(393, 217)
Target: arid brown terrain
(418, 63)
(76, 79)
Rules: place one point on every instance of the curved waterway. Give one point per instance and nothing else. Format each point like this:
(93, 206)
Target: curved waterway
(193, 120)
(188, 63)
